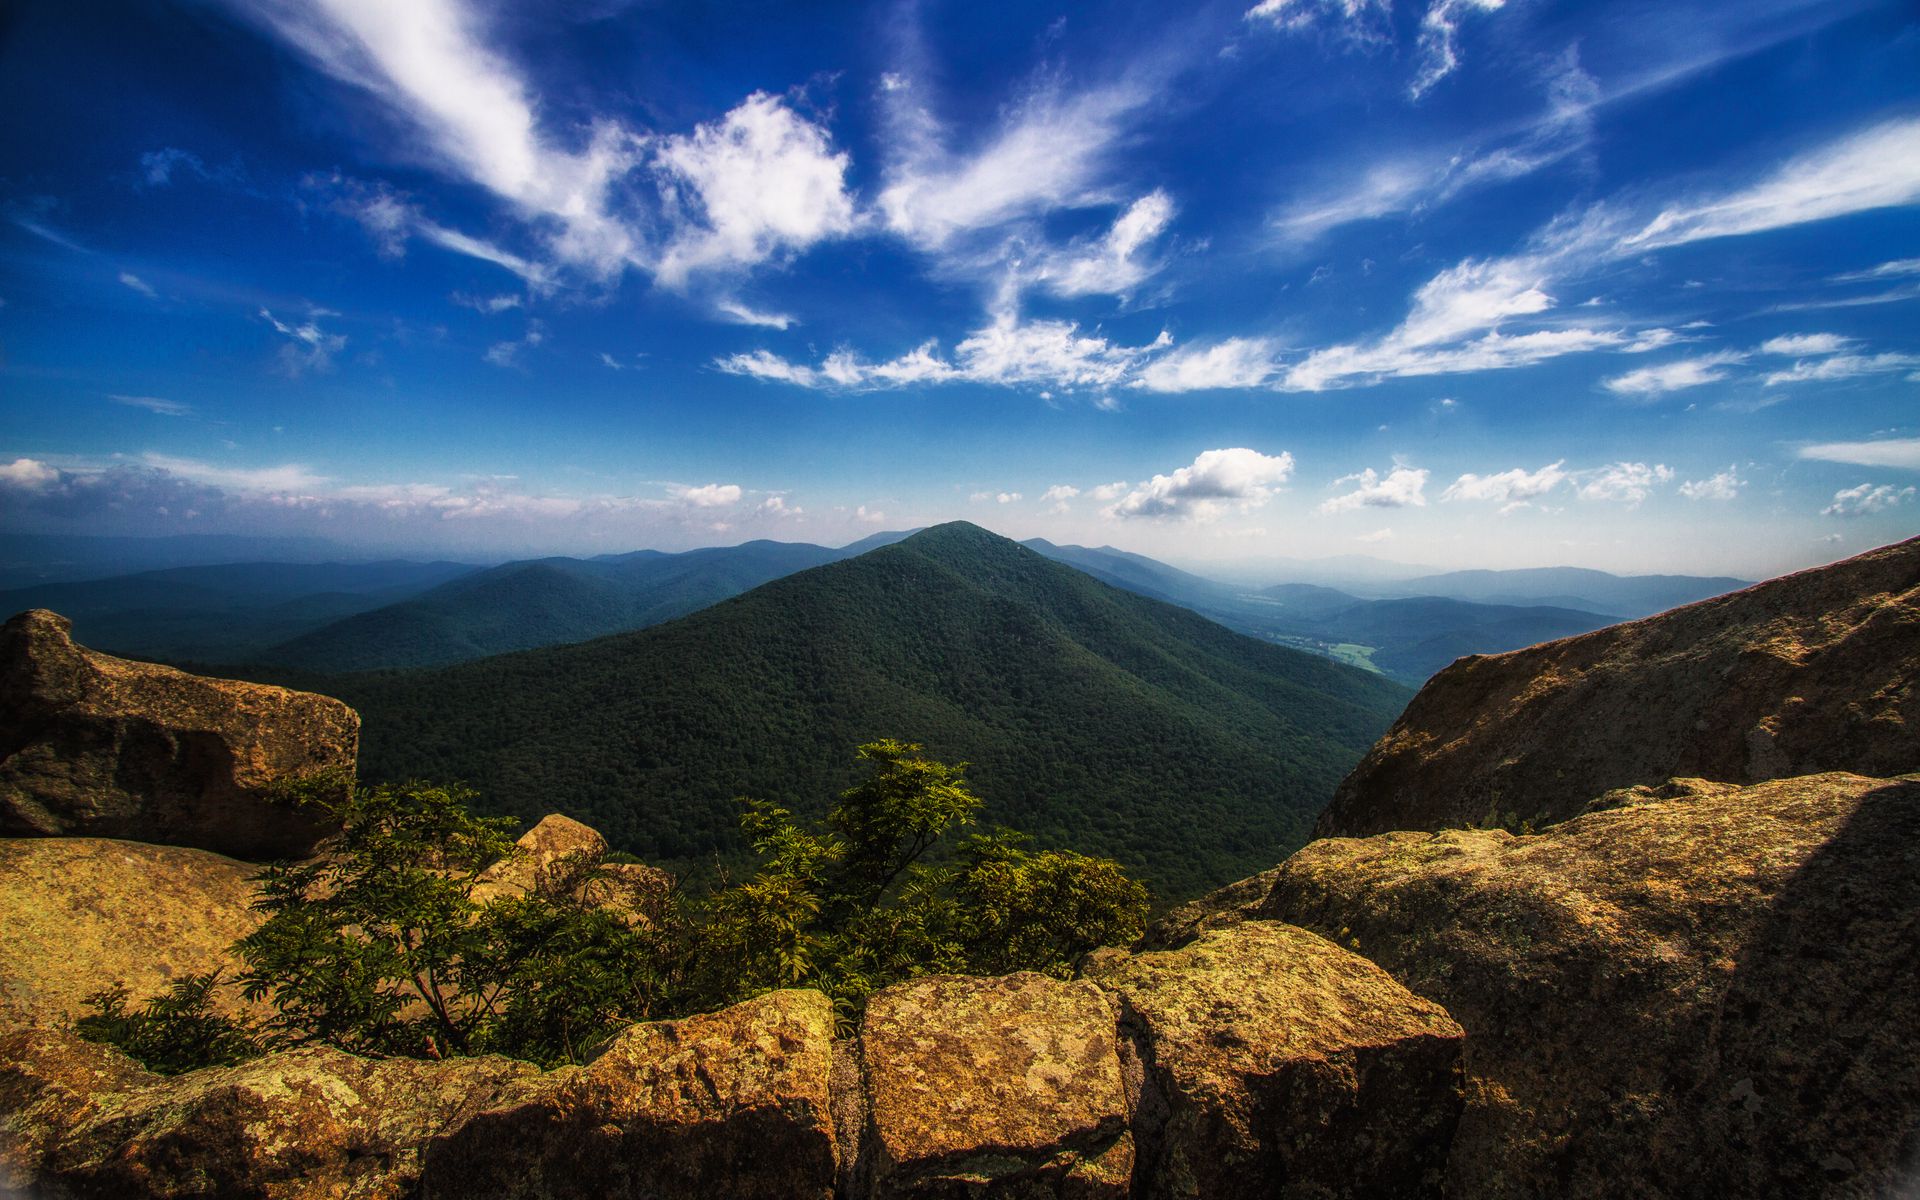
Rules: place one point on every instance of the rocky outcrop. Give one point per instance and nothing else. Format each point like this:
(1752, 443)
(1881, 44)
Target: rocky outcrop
(82, 914)
(1807, 673)
(994, 1087)
(560, 854)
(1277, 1063)
(734, 1103)
(312, 1124)
(1704, 989)
(92, 745)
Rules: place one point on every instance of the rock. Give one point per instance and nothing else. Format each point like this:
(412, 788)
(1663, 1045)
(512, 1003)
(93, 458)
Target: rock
(1008, 1086)
(315, 1123)
(82, 914)
(556, 854)
(1279, 1064)
(1705, 989)
(1807, 673)
(92, 745)
(730, 1104)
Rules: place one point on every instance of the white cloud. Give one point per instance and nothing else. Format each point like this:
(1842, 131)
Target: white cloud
(1216, 481)
(490, 305)
(1233, 363)
(1843, 366)
(1109, 491)
(1008, 497)
(712, 495)
(1888, 452)
(153, 404)
(1364, 363)
(869, 516)
(1674, 376)
(139, 285)
(1625, 482)
(27, 474)
(1006, 352)
(1894, 269)
(1048, 153)
(761, 182)
(507, 354)
(1724, 485)
(1376, 537)
(740, 314)
(777, 506)
(308, 346)
(1059, 496)
(1114, 264)
(287, 477)
(1866, 500)
(1806, 343)
(1511, 490)
(1873, 168)
(1402, 487)
(1439, 30)
(764, 364)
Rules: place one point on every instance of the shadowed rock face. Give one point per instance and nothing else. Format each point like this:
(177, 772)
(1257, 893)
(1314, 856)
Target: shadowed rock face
(92, 745)
(1708, 989)
(1807, 673)
(312, 1124)
(1008, 1086)
(1278, 1063)
(728, 1104)
(81, 914)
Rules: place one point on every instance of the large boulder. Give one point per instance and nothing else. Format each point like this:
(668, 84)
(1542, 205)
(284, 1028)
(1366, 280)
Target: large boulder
(1010, 1086)
(315, 1124)
(560, 854)
(734, 1103)
(1278, 1063)
(1807, 673)
(82, 914)
(92, 745)
(1704, 989)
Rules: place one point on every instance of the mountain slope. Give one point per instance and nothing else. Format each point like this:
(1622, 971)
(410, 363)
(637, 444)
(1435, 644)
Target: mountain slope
(547, 602)
(1092, 717)
(228, 612)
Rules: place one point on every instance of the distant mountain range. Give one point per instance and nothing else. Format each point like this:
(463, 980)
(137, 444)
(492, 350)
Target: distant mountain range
(1093, 717)
(1572, 587)
(547, 602)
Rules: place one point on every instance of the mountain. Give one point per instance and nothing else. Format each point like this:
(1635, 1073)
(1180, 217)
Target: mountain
(1573, 587)
(224, 613)
(1406, 639)
(1806, 673)
(1093, 717)
(33, 558)
(548, 602)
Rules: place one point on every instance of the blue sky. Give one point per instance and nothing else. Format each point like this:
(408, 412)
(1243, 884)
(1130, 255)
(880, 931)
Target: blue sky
(1453, 282)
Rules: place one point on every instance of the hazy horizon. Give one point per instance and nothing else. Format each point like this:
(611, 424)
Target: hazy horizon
(1455, 283)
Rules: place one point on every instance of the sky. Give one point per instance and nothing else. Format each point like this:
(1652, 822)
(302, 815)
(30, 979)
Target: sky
(1461, 283)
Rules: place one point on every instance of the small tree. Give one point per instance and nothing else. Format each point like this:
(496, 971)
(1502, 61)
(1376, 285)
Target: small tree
(173, 1032)
(379, 947)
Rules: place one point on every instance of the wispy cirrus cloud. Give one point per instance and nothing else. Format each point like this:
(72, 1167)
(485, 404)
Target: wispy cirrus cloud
(153, 404)
(1843, 366)
(1674, 376)
(1883, 452)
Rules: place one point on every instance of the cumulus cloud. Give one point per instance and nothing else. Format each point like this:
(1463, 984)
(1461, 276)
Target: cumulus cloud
(1886, 452)
(1674, 376)
(1511, 490)
(1059, 497)
(1624, 482)
(1216, 482)
(712, 495)
(1724, 485)
(761, 182)
(1008, 497)
(1867, 499)
(1402, 487)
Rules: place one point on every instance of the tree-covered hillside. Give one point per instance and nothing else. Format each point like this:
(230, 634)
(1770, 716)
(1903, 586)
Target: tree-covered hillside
(1093, 718)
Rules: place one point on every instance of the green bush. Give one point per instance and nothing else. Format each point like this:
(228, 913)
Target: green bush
(173, 1032)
